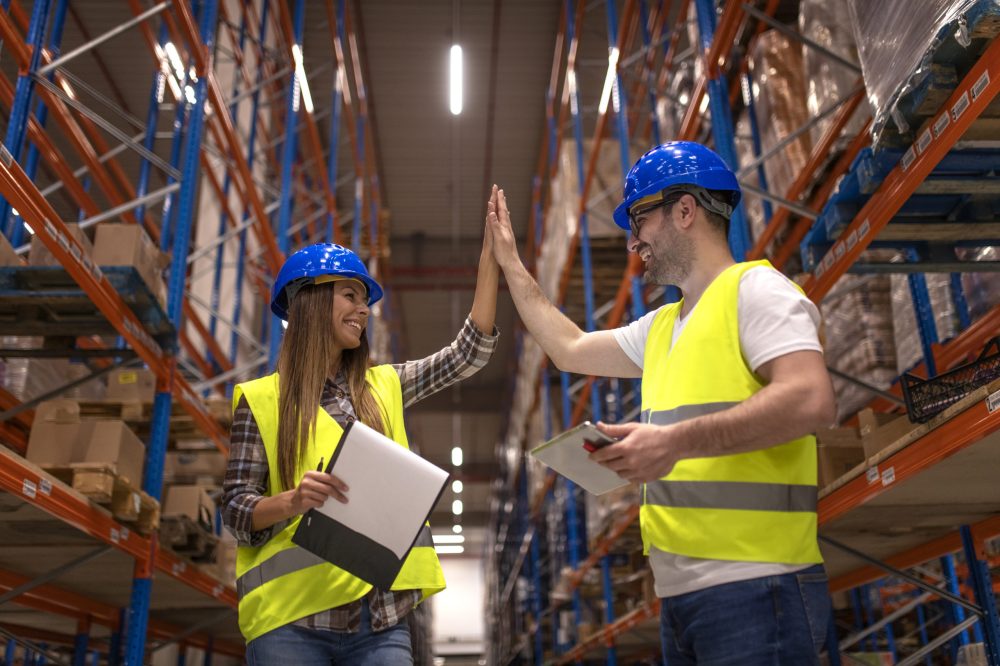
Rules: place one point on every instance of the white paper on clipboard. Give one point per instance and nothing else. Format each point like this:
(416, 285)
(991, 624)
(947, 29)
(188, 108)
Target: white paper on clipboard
(567, 454)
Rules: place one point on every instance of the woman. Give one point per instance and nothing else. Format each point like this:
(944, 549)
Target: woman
(293, 607)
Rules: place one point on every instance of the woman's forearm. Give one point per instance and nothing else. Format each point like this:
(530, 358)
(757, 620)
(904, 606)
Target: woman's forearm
(272, 510)
(484, 304)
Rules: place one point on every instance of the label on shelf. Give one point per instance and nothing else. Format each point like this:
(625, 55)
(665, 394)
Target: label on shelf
(179, 568)
(29, 488)
(116, 535)
(908, 157)
(993, 401)
(852, 240)
(924, 141)
(959, 107)
(872, 475)
(888, 476)
(839, 250)
(125, 534)
(980, 85)
(45, 486)
(941, 123)
(217, 591)
(863, 230)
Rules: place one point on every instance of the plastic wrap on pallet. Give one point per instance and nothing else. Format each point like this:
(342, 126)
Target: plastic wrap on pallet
(745, 154)
(859, 341)
(896, 42)
(828, 23)
(779, 87)
(982, 290)
(904, 320)
(28, 378)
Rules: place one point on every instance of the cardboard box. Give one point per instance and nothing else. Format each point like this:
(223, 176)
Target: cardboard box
(880, 430)
(838, 451)
(192, 501)
(128, 245)
(7, 255)
(39, 255)
(131, 384)
(60, 437)
(192, 466)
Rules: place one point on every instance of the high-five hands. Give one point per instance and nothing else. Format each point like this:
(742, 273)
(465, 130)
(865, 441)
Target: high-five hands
(498, 224)
(643, 452)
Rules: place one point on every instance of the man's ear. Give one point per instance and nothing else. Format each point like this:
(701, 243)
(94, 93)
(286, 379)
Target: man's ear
(687, 207)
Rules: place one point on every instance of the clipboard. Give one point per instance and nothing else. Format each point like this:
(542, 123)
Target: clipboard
(569, 454)
(393, 492)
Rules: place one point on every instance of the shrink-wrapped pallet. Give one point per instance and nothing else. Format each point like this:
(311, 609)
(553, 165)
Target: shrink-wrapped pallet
(982, 290)
(859, 342)
(780, 91)
(896, 43)
(909, 350)
(828, 23)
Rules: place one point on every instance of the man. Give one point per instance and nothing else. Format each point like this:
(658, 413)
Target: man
(733, 382)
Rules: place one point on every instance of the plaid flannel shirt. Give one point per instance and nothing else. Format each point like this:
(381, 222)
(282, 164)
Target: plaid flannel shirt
(246, 481)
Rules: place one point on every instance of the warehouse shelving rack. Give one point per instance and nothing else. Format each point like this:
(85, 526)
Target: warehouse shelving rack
(263, 45)
(938, 453)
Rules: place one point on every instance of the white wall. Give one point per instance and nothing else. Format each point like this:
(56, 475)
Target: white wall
(458, 611)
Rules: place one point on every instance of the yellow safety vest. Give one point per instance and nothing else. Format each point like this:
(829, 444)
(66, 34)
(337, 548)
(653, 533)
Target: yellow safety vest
(279, 582)
(758, 506)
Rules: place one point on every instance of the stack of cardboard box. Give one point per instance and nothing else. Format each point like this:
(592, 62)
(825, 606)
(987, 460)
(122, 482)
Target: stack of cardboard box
(60, 437)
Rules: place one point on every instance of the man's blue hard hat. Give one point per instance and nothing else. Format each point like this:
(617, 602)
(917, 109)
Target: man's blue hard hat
(671, 166)
(316, 261)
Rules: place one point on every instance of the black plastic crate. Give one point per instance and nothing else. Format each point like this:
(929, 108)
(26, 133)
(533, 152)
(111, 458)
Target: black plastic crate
(926, 398)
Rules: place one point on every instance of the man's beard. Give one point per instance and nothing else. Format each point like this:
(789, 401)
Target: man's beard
(671, 263)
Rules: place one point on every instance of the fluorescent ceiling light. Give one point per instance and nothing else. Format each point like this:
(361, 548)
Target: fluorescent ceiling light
(449, 550)
(457, 529)
(456, 456)
(300, 76)
(609, 80)
(455, 80)
(456, 486)
(456, 507)
(448, 538)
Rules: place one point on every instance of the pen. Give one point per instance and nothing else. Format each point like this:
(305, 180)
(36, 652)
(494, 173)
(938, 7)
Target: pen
(320, 468)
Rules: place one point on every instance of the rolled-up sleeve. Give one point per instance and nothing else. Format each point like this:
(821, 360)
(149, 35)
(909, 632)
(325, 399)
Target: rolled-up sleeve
(464, 357)
(246, 481)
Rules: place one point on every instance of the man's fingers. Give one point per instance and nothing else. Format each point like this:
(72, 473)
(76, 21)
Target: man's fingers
(617, 429)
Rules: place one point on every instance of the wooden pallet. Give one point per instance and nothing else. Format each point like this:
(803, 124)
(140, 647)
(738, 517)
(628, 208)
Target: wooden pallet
(99, 482)
(186, 537)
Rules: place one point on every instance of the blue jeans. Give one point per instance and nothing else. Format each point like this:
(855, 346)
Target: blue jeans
(302, 646)
(770, 621)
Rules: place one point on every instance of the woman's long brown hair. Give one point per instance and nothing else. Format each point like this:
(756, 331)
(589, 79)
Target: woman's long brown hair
(306, 359)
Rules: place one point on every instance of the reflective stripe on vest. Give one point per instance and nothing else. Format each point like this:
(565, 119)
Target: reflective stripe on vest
(731, 495)
(294, 559)
(684, 412)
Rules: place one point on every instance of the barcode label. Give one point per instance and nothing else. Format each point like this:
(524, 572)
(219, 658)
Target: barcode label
(888, 476)
(908, 158)
(45, 486)
(980, 85)
(872, 475)
(993, 402)
(29, 488)
(852, 240)
(941, 123)
(924, 141)
(115, 535)
(864, 229)
(959, 107)
(839, 250)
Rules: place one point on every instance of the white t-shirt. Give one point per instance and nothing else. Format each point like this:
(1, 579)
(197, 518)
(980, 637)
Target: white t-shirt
(775, 319)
